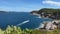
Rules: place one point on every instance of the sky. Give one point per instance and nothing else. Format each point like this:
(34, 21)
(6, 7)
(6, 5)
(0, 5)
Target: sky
(27, 5)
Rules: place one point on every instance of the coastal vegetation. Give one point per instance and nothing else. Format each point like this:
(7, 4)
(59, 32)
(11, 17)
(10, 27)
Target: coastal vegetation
(49, 12)
(18, 30)
(54, 14)
(46, 12)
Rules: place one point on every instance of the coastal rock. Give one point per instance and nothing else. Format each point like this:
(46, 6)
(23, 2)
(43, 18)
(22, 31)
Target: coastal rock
(48, 12)
(51, 25)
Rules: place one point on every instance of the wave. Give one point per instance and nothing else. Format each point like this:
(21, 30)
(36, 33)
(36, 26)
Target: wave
(23, 22)
(43, 24)
(40, 26)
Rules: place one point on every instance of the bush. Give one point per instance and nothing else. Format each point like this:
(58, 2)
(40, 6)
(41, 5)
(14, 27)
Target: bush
(18, 30)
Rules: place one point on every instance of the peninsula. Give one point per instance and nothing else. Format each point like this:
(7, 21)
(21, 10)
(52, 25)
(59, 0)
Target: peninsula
(48, 12)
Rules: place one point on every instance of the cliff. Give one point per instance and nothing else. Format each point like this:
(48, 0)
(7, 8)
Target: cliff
(48, 12)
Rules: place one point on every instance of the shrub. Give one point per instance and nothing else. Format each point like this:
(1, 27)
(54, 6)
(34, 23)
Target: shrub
(18, 30)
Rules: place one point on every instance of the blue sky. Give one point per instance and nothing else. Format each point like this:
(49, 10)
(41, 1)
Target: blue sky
(28, 5)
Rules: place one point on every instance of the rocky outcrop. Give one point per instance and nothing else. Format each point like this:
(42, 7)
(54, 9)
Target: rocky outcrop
(48, 12)
(51, 25)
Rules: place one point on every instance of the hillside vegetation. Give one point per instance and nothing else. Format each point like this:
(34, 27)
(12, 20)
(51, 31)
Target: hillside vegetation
(18, 30)
(51, 13)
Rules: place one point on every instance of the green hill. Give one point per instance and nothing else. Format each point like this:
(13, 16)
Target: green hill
(50, 12)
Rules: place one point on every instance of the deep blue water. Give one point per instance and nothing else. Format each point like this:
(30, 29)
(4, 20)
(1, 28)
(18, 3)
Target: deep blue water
(14, 18)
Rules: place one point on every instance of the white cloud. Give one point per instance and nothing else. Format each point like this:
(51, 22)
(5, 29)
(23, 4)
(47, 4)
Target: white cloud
(51, 2)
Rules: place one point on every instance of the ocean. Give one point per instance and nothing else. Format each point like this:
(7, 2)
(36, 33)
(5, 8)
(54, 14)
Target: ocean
(20, 19)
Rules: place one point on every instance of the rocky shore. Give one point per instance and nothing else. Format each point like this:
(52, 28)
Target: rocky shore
(51, 25)
(49, 13)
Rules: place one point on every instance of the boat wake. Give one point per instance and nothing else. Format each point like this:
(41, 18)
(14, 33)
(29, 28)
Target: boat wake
(23, 22)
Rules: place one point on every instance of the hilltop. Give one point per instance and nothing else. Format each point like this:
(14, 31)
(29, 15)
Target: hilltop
(48, 12)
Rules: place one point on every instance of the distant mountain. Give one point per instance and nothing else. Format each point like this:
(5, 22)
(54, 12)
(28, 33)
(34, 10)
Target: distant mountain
(2, 11)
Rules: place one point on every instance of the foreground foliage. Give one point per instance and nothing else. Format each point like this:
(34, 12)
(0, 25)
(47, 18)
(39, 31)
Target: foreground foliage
(18, 30)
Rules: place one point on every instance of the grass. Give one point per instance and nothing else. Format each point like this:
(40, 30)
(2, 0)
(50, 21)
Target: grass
(18, 30)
